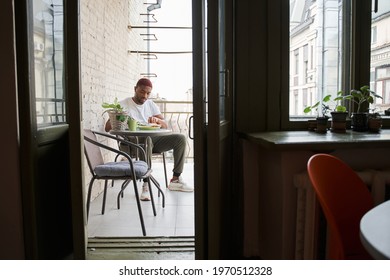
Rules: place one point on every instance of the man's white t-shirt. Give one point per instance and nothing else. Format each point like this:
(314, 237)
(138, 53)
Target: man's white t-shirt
(141, 113)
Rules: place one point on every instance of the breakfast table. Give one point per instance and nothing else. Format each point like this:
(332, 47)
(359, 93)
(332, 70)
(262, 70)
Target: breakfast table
(145, 132)
(142, 132)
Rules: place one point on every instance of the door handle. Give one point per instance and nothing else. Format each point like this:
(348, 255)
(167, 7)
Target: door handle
(190, 120)
(226, 80)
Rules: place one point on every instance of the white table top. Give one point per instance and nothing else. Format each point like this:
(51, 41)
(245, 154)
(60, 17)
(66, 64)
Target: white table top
(375, 231)
(154, 132)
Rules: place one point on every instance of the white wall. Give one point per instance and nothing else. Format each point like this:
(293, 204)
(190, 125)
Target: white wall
(108, 70)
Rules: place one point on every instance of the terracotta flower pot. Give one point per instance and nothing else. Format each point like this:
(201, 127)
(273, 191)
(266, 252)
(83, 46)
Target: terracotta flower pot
(322, 124)
(374, 124)
(339, 122)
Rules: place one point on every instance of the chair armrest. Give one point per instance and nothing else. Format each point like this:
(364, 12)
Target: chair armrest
(108, 148)
(137, 146)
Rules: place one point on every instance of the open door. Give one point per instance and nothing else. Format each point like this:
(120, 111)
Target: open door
(213, 127)
(49, 114)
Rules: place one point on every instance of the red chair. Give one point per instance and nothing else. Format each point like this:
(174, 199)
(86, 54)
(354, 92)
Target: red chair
(344, 199)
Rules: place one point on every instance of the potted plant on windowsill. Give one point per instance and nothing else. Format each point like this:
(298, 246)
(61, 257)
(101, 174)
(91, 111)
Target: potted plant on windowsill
(339, 114)
(118, 117)
(362, 97)
(321, 120)
(374, 121)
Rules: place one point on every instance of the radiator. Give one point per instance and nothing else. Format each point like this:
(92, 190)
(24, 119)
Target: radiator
(306, 246)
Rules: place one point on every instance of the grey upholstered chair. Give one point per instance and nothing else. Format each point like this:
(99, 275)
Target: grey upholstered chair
(130, 170)
(140, 141)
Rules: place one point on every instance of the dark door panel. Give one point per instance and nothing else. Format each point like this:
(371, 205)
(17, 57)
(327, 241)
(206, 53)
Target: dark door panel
(44, 127)
(213, 127)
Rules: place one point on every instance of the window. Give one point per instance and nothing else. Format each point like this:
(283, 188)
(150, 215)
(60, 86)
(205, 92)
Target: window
(305, 63)
(380, 53)
(373, 35)
(316, 32)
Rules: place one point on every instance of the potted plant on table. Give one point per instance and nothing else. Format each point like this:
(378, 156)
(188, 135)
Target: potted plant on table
(362, 97)
(118, 117)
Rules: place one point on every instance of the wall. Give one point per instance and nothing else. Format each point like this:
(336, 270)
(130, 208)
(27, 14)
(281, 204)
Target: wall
(261, 64)
(108, 70)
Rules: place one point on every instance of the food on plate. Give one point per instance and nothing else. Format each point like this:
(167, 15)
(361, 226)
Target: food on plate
(150, 126)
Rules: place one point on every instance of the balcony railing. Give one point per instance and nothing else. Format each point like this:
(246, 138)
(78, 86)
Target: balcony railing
(177, 114)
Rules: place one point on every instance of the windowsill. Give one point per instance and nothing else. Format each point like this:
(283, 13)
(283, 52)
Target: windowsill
(307, 140)
(300, 123)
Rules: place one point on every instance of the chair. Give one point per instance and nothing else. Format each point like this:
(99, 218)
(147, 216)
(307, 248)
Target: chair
(130, 170)
(344, 199)
(135, 139)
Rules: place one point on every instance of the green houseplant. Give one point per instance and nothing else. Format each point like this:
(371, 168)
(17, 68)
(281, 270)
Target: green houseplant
(339, 113)
(362, 98)
(321, 121)
(118, 117)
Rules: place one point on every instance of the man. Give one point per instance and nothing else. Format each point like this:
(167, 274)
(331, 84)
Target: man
(144, 110)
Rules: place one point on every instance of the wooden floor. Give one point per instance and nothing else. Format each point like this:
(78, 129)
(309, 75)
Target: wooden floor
(170, 234)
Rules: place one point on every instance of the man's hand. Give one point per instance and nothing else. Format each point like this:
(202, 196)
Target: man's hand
(154, 120)
(157, 120)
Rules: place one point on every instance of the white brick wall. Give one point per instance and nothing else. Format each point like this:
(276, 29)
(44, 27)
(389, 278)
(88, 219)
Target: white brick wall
(108, 70)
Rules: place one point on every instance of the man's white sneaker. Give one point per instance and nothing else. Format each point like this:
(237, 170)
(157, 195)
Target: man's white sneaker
(179, 185)
(145, 196)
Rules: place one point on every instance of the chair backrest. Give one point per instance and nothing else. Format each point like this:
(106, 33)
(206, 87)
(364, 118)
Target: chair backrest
(92, 152)
(344, 199)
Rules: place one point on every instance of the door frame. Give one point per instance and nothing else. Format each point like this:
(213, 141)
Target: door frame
(76, 150)
(200, 127)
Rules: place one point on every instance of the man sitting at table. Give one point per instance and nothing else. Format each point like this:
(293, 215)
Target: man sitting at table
(144, 110)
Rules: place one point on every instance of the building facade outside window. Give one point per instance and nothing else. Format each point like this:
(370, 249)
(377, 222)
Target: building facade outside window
(317, 33)
(380, 53)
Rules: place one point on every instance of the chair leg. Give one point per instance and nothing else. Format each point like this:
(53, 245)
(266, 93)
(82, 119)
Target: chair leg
(104, 196)
(139, 207)
(120, 194)
(165, 170)
(89, 195)
(159, 189)
(151, 197)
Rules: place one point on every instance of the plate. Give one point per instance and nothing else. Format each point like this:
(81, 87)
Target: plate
(148, 127)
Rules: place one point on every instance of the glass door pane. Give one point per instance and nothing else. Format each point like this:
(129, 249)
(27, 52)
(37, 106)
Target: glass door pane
(48, 30)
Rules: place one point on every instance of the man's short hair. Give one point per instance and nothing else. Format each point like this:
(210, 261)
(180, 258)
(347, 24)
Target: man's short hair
(144, 82)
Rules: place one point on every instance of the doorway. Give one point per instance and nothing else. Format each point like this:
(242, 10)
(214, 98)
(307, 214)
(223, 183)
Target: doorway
(155, 42)
(99, 86)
